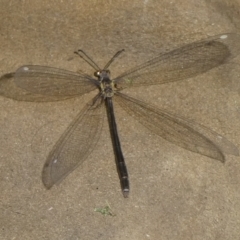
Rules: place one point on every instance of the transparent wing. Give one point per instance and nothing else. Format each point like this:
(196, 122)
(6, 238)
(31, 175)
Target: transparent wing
(184, 133)
(48, 81)
(9, 89)
(184, 62)
(75, 144)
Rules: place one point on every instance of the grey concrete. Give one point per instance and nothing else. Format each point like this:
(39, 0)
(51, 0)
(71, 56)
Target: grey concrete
(184, 195)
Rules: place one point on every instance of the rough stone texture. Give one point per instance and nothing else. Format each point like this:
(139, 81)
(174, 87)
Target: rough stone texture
(175, 194)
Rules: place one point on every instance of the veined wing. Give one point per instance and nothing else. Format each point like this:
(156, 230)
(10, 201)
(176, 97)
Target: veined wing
(183, 133)
(184, 62)
(75, 144)
(48, 81)
(9, 89)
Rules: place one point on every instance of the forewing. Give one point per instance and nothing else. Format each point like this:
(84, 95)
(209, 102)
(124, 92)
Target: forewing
(184, 62)
(54, 82)
(184, 133)
(9, 89)
(75, 144)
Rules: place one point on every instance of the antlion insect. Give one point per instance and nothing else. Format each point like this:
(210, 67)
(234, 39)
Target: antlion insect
(41, 83)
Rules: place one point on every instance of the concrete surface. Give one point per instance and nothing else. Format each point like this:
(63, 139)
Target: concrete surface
(175, 194)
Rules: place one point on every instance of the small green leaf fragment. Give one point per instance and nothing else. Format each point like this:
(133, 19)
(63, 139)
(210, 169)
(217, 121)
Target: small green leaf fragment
(106, 211)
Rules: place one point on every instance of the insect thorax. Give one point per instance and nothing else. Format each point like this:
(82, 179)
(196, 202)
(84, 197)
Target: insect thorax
(106, 84)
